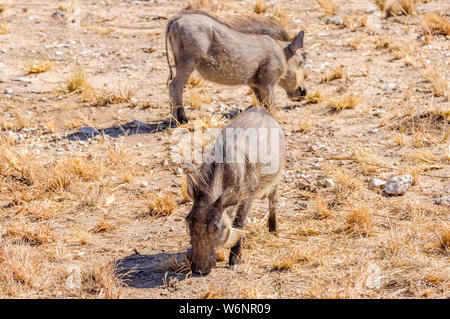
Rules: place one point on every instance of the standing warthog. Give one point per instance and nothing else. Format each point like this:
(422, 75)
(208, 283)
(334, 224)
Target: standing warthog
(243, 50)
(250, 164)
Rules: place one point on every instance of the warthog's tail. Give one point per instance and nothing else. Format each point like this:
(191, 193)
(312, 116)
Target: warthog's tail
(167, 52)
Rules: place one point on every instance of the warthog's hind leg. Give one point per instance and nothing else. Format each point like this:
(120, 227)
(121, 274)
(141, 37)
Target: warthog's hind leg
(176, 86)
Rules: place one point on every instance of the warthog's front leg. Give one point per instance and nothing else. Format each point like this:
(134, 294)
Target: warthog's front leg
(183, 72)
(239, 222)
(265, 96)
(273, 205)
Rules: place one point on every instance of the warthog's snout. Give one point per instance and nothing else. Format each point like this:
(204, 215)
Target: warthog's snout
(299, 93)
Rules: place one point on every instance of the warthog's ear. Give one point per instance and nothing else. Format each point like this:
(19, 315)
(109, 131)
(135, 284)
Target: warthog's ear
(190, 186)
(234, 235)
(296, 44)
(229, 197)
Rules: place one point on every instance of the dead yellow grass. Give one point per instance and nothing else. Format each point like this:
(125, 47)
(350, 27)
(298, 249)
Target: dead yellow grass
(287, 261)
(328, 6)
(260, 7)
(103, 226)
(4, 28)
(38, 65)
(212, 293)
(333, 74)
(396, 7)
(435, 24)
(157, 205)
(438, 83)
(196, 98)
(318, 97)
(359, 220)
(102, 280)
(34, 236)
(347, 101)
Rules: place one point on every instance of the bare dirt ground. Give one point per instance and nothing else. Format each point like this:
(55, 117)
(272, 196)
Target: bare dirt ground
(104, 216)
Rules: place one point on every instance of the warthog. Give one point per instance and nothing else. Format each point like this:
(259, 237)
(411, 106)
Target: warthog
(254, 149)
(243, 50)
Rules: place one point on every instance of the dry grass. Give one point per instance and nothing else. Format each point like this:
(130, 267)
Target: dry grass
(103, 226)
(333, 74)
(212, 293)
(38, 65)
(348, 101)
(396, 7)
(328, 6)
(318, 97)
(4, 28)
(197, 98)
(287, 261)
(101, 280)
(438, 83)
(35, 236)
(435, 24)
(78, 82)
(359, 220)
(157, 205)
(260, 7)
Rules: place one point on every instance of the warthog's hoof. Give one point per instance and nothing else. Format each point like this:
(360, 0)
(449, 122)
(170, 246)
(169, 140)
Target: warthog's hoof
(234, 267)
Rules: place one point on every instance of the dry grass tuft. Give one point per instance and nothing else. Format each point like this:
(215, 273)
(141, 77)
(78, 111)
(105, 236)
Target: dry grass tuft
(348, 101)
(159, 205)
(435, 24)
(77, 82)
(260, 7)
(101, 280)
(38, 65)
(176, 264)
(444, 241)
(4, 28)
(328, 6)
(396, 7)
(318, 97)
(359, 220)
(34, 236)
(195, 81)
(212, 293)
(288, 261)
(196, 98)
(333, 74)
(103, 226)
(438, 83)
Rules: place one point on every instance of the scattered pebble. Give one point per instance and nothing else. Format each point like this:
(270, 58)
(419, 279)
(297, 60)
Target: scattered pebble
(398, 185)
(442, 200)
(376, 183)
(334, 20)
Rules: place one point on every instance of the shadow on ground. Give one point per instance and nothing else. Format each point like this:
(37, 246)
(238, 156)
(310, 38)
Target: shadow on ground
(147, 271)
(130, 128)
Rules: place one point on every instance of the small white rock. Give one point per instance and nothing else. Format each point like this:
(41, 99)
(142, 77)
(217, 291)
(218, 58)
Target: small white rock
(376, 183)
(398, 185)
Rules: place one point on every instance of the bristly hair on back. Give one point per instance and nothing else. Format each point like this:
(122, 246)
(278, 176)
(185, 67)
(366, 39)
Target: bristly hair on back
(250, 24)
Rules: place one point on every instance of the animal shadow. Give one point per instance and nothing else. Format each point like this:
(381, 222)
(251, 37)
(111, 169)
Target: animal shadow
(149, 271)
(130, 128)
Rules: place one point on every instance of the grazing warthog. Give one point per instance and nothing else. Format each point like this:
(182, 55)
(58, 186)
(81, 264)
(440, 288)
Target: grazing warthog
(242, 50)
(250, 164)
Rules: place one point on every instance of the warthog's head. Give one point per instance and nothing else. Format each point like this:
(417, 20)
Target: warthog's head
(209, 227)
(292, 80)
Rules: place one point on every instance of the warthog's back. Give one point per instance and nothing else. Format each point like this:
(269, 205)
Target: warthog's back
(254, 150)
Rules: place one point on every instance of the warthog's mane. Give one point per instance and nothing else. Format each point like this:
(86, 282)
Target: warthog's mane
(249, 24)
